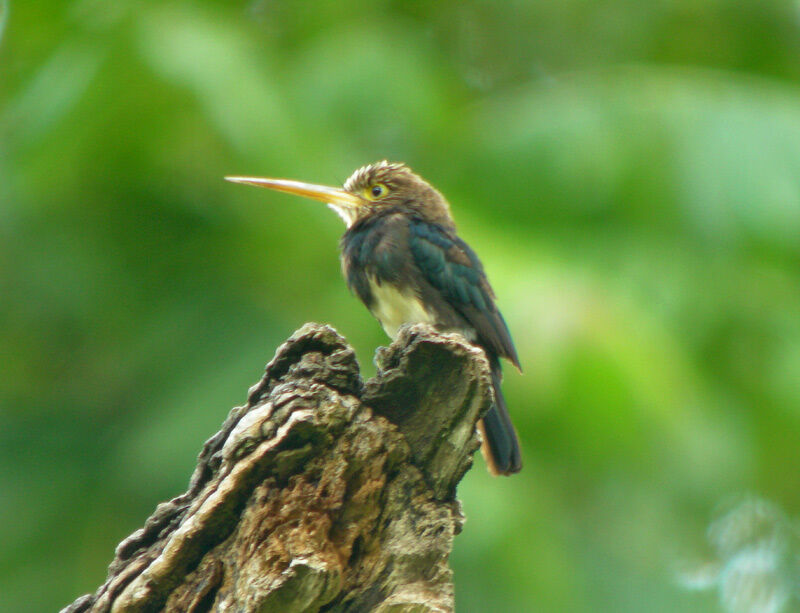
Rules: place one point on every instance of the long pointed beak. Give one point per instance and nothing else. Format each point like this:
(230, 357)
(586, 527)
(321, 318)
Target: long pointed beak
(334, 196)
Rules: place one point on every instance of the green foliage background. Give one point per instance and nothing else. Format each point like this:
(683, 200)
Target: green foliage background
(628, 171)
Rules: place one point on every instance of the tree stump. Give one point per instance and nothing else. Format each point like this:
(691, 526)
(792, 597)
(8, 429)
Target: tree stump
(322, 493)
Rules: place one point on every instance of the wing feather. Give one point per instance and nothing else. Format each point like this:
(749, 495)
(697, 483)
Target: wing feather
(453, 268)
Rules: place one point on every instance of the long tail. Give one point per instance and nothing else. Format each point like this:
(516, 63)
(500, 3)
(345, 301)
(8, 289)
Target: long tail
(500, 445)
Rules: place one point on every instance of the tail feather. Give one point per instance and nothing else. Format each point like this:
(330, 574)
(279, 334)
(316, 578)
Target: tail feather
(500, 445)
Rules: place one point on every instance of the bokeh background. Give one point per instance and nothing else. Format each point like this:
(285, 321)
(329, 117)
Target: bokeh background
(629, 172)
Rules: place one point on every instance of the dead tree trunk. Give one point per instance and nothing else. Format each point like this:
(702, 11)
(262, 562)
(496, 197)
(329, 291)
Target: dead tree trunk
(322, 493)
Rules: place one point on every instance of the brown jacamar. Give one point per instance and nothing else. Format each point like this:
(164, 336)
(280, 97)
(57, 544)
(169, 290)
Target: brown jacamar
(402, 257)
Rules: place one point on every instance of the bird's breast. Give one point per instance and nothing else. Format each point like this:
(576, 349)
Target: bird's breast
(394, 307)
(380, 268)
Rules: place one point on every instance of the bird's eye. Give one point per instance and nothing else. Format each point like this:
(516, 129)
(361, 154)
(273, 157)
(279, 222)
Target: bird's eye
(376, 191)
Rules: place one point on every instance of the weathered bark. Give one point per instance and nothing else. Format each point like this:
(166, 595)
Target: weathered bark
(322, 493)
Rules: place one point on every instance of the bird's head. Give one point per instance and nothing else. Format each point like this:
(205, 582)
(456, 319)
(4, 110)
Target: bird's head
(368, 191)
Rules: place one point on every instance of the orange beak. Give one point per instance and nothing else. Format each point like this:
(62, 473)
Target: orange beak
(340, 200)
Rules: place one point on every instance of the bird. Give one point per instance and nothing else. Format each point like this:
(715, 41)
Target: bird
(401, 256)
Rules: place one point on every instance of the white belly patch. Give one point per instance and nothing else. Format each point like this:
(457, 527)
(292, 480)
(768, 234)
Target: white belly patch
(394, 308)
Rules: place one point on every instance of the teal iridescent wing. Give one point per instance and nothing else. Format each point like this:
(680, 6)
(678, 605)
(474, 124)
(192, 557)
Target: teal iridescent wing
(452, 268)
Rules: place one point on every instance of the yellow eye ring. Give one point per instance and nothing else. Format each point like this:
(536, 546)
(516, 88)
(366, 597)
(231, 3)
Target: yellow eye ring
(376, 191)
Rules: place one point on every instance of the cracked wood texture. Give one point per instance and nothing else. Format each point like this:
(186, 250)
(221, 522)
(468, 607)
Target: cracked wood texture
(322, 493)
